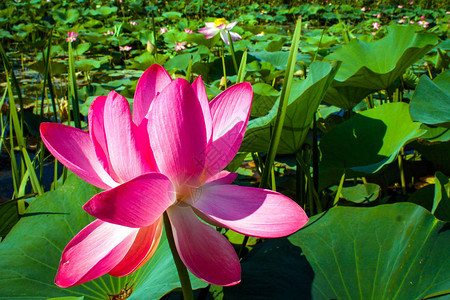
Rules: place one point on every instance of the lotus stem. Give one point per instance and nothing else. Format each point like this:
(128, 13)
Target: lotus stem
(339, 190)
(73, 94)
(223, 66)
(181, 268)
(402, 172)
(230, 40)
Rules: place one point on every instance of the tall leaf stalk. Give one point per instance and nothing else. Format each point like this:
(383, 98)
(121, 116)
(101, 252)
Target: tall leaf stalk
(268, 171)
(285, 92)
(73, 92)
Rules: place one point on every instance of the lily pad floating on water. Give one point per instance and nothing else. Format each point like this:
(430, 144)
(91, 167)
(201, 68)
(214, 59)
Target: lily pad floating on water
(396, 251)
(370, 67)
(30, 254)
(303, 102)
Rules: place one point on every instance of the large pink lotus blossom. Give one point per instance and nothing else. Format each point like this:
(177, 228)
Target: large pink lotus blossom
(168, 157)
(220, 25)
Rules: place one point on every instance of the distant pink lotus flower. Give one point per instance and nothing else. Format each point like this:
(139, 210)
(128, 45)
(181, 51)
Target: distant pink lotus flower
(401, 21)
(163, 30)
(422, 17)
(125, 48)
(179, 46)
(376, 25)
(187, 30)
(71, 36)
(411, 2)
(220, 26)
(363, 9)
(109, 32)
(134, 23)
(424, 24)
(378, 16)
(168, 157)
(400, 6)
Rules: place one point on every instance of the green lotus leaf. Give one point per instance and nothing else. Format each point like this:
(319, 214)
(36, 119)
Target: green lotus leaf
(441, 202)
(279, 59)
(66, 16)
(436, 134)
(172, 15)
(81, 48)
(360, 193)
(369, 67)
(10, 216)
(369, 140)
(102, 11)
(430, 103)
(264, 97)
(303, 102)
(30, 253)
(436, 153)
(396, 251)
(88, 64)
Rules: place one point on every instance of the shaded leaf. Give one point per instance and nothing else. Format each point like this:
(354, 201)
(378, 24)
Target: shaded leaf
(398, 251)
(369, 140)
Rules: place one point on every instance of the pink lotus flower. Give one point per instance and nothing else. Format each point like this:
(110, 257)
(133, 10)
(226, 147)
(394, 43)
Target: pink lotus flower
(188, 31)
(424, 24)
(163, 30)
(133, 23)
(220, 26)
(179, 46)
(168, 157)
(363, 9)
(376, 25)
(71, 36)
(125, 48)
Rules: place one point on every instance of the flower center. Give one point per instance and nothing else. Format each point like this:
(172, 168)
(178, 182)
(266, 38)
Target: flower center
(187, 193)
(219, 22)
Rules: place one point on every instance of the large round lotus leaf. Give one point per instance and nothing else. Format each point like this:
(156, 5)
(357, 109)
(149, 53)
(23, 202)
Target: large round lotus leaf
(370, 139)
(430, 103)
(370, 67)
(30, 253)
(303, 102)
(396, 251)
